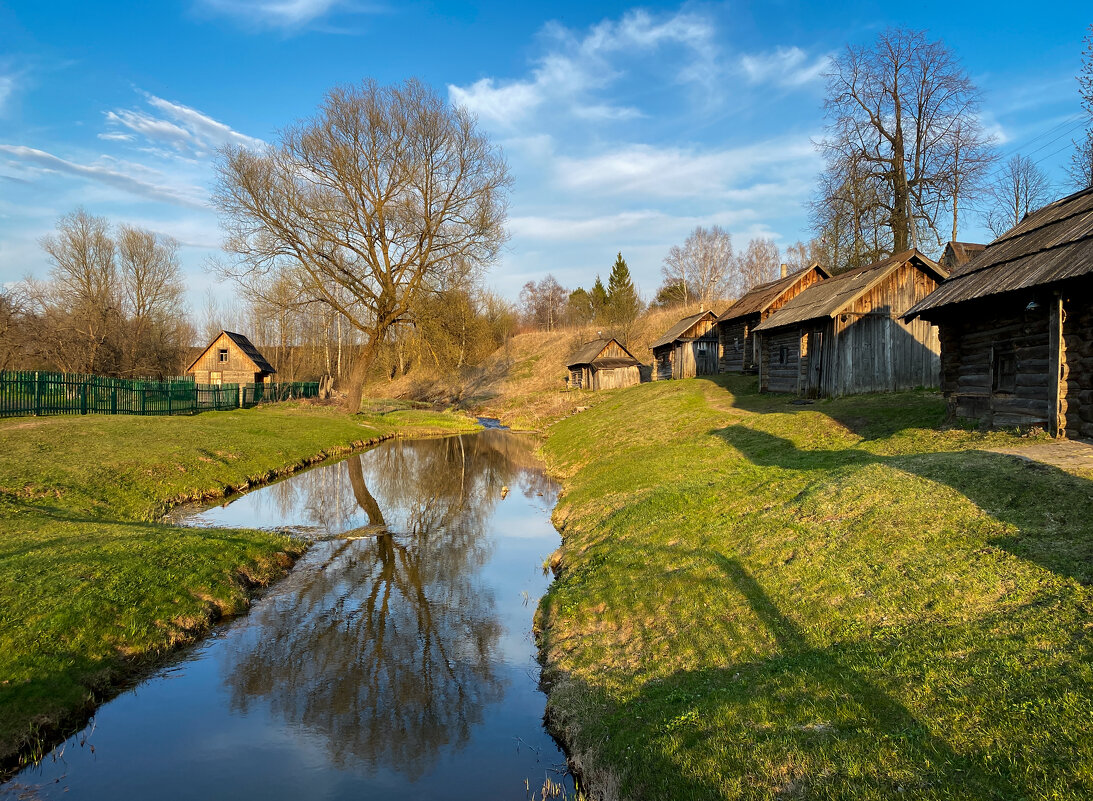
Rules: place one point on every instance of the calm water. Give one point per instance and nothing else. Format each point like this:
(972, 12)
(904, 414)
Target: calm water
(383, 667)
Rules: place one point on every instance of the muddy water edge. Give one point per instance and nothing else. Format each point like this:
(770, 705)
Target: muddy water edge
(395, 661)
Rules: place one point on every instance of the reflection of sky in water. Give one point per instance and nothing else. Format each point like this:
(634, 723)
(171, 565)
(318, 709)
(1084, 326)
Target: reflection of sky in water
(397, 667)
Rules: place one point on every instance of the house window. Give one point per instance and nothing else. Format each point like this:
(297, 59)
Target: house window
(701, 348)
(1004, 368)
(783, 354)
(222, 355)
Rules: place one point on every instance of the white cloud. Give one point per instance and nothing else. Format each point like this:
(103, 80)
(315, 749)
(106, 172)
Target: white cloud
(673, 172)
(575, 67)
(120, 175)
(187, 130)
(785, 66)
(283, 14)
(7, 89)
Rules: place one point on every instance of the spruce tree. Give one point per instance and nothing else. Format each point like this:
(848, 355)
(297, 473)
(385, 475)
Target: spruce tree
(599, 300)
(623, 302)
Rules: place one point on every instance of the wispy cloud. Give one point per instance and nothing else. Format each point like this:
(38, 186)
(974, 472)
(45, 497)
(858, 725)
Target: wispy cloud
(286, 15)
(576, 66)
(7, 89)
(132, 178)
(185, 129)
(785, 66)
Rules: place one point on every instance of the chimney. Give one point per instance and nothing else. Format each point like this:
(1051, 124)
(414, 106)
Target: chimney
(785, 270)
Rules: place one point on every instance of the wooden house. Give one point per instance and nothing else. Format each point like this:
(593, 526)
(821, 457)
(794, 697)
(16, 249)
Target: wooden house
(603, 364)
(1016, 324)
(957, 254)
(687, 349)
(231, 359)
(736, 326)
(845, 335)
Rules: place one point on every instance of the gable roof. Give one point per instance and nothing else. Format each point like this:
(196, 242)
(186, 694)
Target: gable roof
(960, 253)
(829, 298)
(1052, 244)
(759, 298)
(676, 331)
(244, 345)
(590, 351)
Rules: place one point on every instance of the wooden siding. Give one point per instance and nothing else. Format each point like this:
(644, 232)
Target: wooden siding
(736, 344)
(780, 355)
(616, 377)
(238, 369)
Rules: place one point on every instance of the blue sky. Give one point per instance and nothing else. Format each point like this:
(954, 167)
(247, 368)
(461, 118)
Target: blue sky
(624, 125)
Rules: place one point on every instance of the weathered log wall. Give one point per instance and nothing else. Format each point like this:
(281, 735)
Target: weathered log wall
(780, 355)
(616, 377)
(736, 344)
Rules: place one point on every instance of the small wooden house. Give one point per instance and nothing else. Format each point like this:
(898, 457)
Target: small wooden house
(687, 349)
(845, 335)
(736, 326)
(957, 254)
(1016, 324)
(603, 364)
(231, 359)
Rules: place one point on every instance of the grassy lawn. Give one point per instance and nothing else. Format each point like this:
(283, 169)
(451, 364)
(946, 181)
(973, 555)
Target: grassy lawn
(765, 600)
(92, 586)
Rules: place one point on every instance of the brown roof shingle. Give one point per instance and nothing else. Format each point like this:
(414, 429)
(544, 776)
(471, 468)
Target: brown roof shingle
(676, 331)
(589, 353)
(1052, 244)
(759, 298)
(830, 297)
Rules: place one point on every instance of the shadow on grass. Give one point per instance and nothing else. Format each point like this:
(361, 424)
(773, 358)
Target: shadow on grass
(811, 722)
(1048, 506)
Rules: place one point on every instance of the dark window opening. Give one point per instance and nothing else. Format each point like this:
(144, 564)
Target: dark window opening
(222, 355)
(783, 355)
(1004, 369)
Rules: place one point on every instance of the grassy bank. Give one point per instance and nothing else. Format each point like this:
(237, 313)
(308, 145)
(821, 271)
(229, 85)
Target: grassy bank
(92, 586)
(763, 600)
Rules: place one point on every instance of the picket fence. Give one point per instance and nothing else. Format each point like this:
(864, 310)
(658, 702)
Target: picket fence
(40, 393)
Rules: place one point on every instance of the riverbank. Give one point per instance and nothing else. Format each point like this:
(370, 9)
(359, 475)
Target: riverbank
(758, 599)
(93, 588)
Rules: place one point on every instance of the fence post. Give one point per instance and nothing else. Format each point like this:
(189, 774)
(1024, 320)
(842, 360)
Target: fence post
(37, 396)
(241, 396)
(83, 397)
(169, 393)
(114, 399)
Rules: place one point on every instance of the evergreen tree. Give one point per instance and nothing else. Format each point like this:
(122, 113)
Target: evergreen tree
(623, 302)
(599, 300)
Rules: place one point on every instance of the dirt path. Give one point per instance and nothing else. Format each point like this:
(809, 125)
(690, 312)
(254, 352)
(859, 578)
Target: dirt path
(1073, 456)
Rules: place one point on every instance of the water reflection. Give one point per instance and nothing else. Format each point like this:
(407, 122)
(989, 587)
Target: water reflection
(388, 645)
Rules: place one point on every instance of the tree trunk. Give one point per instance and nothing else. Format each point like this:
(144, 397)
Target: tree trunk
(359, 375)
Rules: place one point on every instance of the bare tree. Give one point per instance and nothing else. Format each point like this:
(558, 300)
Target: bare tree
(895, 109)
(383, 195)
(1018, 188)
(152, 296)
(757, 264)
(544, 303)
(1081, 162)
(702, 267)
(802, 255)
(970, 155)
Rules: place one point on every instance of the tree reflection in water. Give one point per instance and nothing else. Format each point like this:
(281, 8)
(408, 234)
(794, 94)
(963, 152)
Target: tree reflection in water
(385, 646)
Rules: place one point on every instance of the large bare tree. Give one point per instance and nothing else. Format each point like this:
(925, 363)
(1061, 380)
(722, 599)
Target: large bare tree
(702, 266)
(1081, 161)
(1018, 187)
(758, 263)
(903, 126)
(385, 194)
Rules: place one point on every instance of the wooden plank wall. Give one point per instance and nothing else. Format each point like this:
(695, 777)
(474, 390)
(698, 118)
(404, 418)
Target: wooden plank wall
(662, 363)
(616, 377)
(735, 344)
(239, 369)
(1076, 379)
(776, 375)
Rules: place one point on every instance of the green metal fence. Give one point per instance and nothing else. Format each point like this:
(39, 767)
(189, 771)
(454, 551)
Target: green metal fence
(42, 393)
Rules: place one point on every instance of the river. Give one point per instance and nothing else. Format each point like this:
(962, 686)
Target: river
(395, 661)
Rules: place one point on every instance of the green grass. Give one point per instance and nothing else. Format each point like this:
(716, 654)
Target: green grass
(92, 587)
(838, 600)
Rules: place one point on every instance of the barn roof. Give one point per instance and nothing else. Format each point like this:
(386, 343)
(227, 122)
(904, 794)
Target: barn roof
(244, 345)
(829, 298)
(759, 298)
(590, 351)
(1052, 244)
(676, 331)
(960, 253)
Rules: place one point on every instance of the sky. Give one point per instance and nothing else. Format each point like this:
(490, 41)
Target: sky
(624, 126)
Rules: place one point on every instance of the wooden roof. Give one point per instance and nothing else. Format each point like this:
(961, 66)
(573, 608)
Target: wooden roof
(960, 253)
(759, 298)
(1052, 244)
(589, 353)
(676, 331)
(244, 345)
(831, 297)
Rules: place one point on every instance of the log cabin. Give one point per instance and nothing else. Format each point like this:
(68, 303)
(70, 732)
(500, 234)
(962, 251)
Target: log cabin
(1016, 324)
(735, 328)
(687, 349)
(603, 364)
(231, 359)
(845, 335)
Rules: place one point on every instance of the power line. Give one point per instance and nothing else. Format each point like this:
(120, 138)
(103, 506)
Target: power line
(1076, 118)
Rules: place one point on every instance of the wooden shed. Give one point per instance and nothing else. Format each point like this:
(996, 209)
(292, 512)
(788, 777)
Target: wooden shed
(845, 335)
(231, 359)
(687, 349)
(735, 328)
(603, 364)
(1016, 324)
